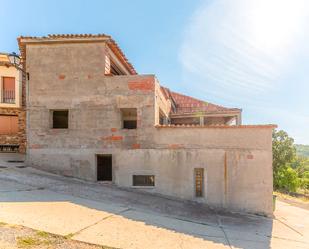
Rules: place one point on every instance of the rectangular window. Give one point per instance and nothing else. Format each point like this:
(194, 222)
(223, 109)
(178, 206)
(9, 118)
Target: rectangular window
(129, 118)
(8, 125)
(8, 90)
(60, 119)
(199, 182)
(144, 180)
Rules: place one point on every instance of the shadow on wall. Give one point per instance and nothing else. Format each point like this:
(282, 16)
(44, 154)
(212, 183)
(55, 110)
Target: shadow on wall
(125, 216)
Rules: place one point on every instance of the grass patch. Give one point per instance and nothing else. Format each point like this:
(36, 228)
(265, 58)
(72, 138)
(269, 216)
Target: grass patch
(292, 197)
(39, 239)
(69, 236)
(2, 223)
(28, 241)
(42, 234)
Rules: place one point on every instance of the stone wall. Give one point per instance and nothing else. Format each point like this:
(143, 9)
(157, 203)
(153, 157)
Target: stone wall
(17, 109)
(20, 137)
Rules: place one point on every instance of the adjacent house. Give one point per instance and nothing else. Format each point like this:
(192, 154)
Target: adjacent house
(92, 116)
(12, 108)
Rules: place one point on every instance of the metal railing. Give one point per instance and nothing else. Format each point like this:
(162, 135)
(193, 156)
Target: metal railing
(8, 96)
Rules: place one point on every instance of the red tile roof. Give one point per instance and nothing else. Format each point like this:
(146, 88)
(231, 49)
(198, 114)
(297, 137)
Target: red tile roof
(219, 126)
(186, 104)
(67, 37)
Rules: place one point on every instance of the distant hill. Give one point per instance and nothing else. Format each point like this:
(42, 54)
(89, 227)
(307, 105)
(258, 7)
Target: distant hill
(302, 150)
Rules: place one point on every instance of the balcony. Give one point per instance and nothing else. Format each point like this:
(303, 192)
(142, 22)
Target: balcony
(8, 96)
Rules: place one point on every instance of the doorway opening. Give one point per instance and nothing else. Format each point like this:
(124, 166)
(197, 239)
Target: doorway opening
(104, 168)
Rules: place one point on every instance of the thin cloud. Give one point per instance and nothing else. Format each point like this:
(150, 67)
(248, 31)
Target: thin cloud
(224, 44)
(245, 53)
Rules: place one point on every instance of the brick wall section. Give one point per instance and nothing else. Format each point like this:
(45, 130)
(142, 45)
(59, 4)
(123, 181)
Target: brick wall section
(113, 138)
(61, 77)
(20, 137)
(175, 146)
(136, 146)
(142, 85)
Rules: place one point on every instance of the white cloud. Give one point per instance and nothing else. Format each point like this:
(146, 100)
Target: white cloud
(244, 53)
(242, 46)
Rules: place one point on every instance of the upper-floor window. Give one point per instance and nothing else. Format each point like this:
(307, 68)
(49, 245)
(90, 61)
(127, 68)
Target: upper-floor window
(129, 118)
(60, 119)
(8, 90)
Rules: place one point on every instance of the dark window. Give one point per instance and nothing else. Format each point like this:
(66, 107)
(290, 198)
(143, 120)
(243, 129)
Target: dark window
(129, 118)
(143, 180)
(61, 119)
(104, 168)
(129, 124)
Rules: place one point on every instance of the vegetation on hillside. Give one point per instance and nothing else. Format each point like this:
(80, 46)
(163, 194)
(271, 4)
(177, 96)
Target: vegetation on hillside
(302, 150)
(291, 170)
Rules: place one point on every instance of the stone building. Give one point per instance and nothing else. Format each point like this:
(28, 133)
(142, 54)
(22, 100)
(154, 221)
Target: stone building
(12, 108)
(91, 116)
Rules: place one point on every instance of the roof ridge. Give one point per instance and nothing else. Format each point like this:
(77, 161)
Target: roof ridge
(188, 104)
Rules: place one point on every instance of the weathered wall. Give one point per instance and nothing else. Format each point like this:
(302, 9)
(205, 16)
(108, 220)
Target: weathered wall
(20, 137)
(16, 109)
(73, 78)
(237, 160)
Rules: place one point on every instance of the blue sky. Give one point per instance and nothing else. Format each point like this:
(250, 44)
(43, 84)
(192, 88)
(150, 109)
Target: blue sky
(251, 54)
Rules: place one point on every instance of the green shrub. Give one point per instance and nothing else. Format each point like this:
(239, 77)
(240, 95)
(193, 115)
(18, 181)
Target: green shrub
(287, 179)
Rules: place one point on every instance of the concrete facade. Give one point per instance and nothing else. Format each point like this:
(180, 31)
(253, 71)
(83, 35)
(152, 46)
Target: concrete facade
(78, 74)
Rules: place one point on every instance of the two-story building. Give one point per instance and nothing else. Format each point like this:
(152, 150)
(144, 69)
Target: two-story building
(92, 116)
(12, 108)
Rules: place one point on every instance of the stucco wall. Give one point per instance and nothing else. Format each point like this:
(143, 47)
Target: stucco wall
(237, 160)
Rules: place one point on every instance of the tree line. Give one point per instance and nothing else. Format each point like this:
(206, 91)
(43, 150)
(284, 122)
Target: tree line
(290, 170)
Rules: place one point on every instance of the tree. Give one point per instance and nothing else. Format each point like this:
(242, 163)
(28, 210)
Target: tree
(287, 179)
(284, 153)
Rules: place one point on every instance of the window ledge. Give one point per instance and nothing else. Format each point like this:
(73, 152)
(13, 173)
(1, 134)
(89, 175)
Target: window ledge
(11, 105)
(144, 187)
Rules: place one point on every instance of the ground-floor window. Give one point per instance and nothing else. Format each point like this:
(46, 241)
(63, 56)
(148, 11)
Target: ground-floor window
(143, 180)
(8, 124)
(199, 182)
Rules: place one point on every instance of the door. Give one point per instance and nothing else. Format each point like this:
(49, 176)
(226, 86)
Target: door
(199, 182)
(104, 168)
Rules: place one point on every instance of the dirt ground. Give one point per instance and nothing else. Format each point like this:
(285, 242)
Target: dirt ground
(15, 236)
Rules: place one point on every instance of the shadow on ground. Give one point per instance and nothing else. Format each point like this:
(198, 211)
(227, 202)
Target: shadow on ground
(107, 215)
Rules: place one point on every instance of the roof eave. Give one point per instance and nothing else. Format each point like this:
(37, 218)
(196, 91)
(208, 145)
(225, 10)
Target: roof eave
(208, 113)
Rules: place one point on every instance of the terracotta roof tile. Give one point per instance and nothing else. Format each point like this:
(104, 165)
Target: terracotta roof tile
(186, 104)
(273, 126)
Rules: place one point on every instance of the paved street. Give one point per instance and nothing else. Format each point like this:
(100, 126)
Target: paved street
(106, 215)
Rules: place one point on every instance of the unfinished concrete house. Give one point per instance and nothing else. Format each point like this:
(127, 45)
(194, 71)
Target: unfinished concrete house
(92, 116)
(12, 108)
